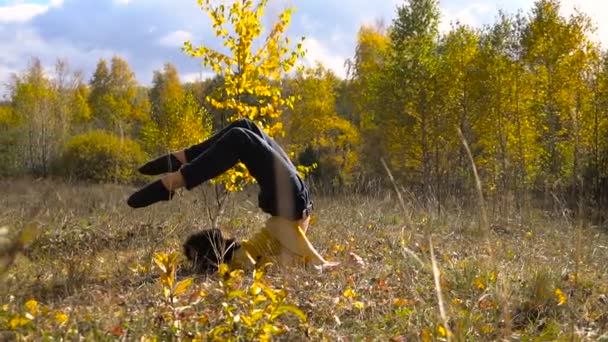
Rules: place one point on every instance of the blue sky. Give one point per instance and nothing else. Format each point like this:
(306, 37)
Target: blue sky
(148, 33)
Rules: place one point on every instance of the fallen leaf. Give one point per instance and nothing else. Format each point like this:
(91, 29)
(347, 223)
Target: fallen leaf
(117, 331)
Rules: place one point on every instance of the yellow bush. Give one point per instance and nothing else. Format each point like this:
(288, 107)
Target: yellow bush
(101, 157)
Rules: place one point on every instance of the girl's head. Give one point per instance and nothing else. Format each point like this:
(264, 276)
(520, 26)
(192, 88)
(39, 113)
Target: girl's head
(208, 248)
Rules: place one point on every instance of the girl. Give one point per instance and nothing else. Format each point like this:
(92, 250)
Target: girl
(282, 194)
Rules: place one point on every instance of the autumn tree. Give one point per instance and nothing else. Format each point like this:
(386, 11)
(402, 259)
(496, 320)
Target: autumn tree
(368, 73)
(45, 109)
(32, 98)
(251, 65)
(116, 101)
(411, 79)
(453, 103)
(203, 89)
(316, 132)
(491, 105)
(70, 105)
(553, 49)
(100, 89)
(177, 120)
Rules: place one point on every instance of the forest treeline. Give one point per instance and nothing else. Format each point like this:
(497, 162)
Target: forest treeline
(529, 94)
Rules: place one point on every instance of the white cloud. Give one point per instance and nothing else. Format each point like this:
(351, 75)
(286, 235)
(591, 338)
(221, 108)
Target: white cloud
(26, 43)
(196, 76)
(474, 15)
(175, 38)
(122, 2)
(132, 32)
(317, 52)
(19, 13)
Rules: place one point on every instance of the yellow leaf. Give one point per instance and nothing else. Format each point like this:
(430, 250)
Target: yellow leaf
(561, 297)
(17, 322)
(61, 317)
(256, 315)
(478, 282)
(258, 274)
(32, 306)
(292, 309)
(167, 280)
(349, 293)
(259, 299)
(161, 261)
(182, 286)
(270, 329)
(359, 305)
(271, 293)
(254, 289)
(237, 294)
(441, 331)
(223, 269)
(246, 320)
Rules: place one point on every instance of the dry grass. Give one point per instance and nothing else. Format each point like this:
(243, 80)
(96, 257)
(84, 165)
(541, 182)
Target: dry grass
(93, 263)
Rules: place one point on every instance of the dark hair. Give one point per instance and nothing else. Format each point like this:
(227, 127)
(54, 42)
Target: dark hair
(208, 248)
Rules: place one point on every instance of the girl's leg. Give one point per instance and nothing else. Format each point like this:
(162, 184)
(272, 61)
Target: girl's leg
(195, 150)
(282, 192)
(173, 161)
(264, 163)
(236, 144)
(250, 125)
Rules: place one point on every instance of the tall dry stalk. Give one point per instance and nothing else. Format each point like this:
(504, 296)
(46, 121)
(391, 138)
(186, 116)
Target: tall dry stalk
(408, 220)
(437, 278)
(485, 230)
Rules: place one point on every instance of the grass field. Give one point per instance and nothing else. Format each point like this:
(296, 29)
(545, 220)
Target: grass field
(90, 273)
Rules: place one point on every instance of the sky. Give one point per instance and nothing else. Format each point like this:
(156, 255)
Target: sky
(149, 33)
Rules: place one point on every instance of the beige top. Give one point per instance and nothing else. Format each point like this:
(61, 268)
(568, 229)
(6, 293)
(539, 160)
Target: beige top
(281, 241)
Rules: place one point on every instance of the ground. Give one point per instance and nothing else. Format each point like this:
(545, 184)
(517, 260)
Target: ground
(527, 274)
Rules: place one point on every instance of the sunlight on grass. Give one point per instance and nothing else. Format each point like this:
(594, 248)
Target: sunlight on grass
(112, 273)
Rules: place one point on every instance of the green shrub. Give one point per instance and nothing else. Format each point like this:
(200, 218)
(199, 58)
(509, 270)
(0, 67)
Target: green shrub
(101, 157)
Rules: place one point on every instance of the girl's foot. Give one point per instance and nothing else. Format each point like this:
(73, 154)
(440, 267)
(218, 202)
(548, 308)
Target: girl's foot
(150, 194)
(160, 165)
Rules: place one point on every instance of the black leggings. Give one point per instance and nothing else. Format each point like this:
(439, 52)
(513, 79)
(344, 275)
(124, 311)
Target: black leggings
(282, 191)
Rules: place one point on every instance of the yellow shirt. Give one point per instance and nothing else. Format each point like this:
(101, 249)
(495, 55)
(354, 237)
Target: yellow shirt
(261, 246)
(280, 240)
